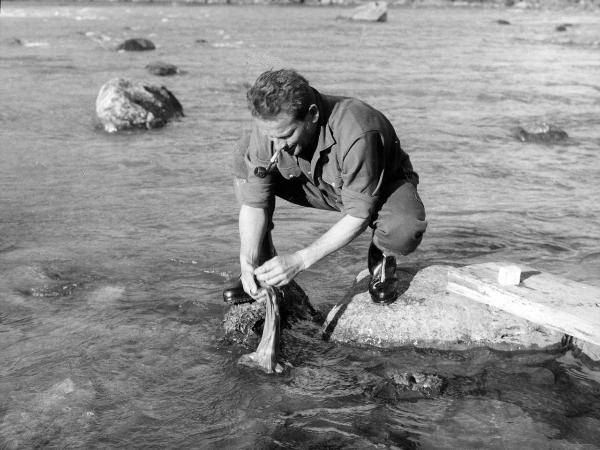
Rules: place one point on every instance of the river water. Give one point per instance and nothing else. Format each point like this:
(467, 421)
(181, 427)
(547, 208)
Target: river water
(114, 248)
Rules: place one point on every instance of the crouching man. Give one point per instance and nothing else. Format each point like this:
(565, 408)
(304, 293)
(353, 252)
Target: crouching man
(327, 152)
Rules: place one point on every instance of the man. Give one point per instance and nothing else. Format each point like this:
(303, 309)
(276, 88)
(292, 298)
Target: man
(327, 152)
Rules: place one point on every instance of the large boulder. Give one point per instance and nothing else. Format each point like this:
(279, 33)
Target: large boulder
(427, 316)
(369, 12)
(127, 104)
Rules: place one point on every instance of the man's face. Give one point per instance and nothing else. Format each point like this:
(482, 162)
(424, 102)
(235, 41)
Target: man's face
(292, 135)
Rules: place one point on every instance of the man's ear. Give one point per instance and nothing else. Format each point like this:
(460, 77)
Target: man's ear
(314, 113)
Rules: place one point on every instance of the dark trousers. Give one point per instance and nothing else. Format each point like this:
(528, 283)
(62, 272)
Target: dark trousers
(398, 225)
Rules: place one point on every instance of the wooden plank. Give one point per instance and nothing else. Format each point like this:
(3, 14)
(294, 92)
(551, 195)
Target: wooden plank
(558, 303)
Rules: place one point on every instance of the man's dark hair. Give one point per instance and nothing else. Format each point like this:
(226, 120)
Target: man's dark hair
(276, 91)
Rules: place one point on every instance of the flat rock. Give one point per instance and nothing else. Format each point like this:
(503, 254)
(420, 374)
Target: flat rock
(425, 315)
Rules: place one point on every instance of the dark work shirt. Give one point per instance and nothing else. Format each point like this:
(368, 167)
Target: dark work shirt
(357, 161)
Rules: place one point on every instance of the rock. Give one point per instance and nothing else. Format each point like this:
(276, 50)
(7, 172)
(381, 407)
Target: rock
(369, 12)
(502, 22)
(427, 316)
(393, 384)
(37, 282)
(407, 386)
(14, 41)
(544, 133)
(162, 69)
(136, 45)
(243, 323)
(125, 104)
(563, 27)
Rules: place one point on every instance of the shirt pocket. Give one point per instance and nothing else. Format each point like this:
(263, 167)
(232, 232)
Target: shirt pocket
(332, 177)
(289, 172)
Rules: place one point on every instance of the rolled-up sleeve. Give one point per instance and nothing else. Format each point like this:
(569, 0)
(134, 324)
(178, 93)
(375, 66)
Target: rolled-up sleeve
(362, 175)
(249, 189)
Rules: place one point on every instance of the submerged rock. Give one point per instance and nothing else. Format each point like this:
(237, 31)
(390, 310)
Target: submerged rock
(37, 282)
(162, 69)
(544, 133)
(369, 12)
(427, 316)
(136, 45)
(563, 27)
(125, 104)
(243, 323)
(14, 41)
(407, 386)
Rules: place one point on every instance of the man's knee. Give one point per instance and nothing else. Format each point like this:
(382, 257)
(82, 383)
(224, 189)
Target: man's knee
(401, 223)
(402, 238)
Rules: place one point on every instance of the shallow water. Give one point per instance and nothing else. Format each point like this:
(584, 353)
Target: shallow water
(114, 248)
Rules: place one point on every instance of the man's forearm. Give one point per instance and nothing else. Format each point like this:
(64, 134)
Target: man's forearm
(339, 235)
(252, 226)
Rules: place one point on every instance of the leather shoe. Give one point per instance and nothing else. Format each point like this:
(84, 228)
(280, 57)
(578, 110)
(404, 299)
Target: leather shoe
(235, 294)
(383, 285)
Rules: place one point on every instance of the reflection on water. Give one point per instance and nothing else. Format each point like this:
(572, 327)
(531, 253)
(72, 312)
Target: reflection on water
(114, 249)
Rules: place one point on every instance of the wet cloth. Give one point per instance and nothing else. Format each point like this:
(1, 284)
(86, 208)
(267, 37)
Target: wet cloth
(357, 167)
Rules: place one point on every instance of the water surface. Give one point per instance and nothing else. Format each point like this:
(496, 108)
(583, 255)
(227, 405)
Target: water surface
(114, 248)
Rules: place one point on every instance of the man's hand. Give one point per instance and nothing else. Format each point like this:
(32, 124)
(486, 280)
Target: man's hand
(280, 270)
(250, 286)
